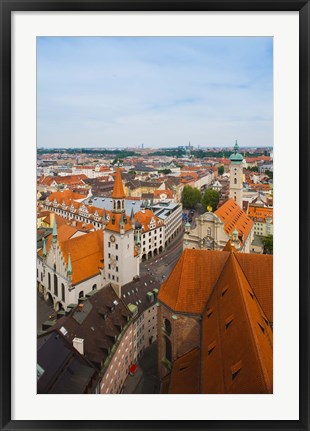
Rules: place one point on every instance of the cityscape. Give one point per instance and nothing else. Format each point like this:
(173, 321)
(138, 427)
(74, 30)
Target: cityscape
(154, 261)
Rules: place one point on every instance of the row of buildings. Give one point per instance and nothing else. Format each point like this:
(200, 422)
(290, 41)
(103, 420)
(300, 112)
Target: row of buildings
(212, 317)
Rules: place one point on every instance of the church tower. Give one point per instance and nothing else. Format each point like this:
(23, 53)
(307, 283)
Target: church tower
(121, 260)
(236, 176)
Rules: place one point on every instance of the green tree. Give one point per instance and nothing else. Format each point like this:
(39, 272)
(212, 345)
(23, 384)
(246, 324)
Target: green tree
(220, 170)
(254, 168)
(268, 244)
(269, 173)
(165, 171)
(210, 199)
(190, 197)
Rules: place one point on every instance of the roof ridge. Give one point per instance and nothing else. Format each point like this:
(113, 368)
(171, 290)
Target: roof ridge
(237, 267)
(217, 281)
(260, 306)
(181, 273)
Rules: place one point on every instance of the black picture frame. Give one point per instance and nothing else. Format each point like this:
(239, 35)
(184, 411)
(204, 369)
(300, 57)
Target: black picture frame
(7, 7)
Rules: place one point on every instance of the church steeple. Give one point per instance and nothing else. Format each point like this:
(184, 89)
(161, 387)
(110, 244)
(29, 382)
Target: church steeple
(118, 195)
(236, 176)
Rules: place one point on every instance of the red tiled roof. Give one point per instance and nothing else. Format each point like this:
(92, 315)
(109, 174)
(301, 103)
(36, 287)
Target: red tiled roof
(65, 196)
(188, 290)
(86, 252)
(258, 270)
(260, 213)
(144, 218)
(114, 222)
(184, 378)
(236, 337)
(234, 218)
(167, 193)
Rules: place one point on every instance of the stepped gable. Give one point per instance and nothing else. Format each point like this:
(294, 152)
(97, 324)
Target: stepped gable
(236, 337)
(188, 287)
(86, 251)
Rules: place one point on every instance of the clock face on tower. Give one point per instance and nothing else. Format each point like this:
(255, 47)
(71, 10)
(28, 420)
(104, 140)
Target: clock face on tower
(112, 238)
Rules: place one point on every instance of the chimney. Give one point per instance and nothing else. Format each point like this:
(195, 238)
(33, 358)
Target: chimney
(78, 344)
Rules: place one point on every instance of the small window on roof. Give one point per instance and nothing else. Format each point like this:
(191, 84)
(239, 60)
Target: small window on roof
(211, 347)
(210, 311)
(251, 293)
(235, 369)
(261, 325)
(229, 320)
(224, 290)
(266, 320)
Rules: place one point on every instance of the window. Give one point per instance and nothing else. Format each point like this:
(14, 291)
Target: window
(55, 285)
(116, 246)
(167, 327)
(109, 255)
(168, 349)
(81, 294)
(109, 244)
(94, 287)
(49, 281)
(62, 292)
(116, 257)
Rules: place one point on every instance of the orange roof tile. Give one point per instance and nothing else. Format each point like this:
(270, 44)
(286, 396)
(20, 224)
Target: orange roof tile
(114, 222)
(236, 337)
(258, 269)
(234, 218)
(184, 378)
(144, 218)
(260, 213)
(159, 193)
(64, 196)
(187, 290)
(118, 190)
(86, 254)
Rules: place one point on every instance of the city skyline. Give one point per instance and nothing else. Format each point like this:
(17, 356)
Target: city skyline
(157, 91)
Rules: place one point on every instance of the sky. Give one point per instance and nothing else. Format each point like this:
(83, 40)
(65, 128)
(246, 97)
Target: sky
(100, 92)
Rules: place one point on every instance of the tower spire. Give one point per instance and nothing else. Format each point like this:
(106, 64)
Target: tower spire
(118, 195)
(118, 190)
(44, 248)
(69, 270)
(55, 232)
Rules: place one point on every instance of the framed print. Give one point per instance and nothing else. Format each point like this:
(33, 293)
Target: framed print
(111, 111)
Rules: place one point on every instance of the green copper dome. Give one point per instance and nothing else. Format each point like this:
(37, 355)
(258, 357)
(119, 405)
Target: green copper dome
(236, 157)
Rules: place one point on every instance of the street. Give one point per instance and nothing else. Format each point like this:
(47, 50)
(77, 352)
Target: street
(145, 381)
(161, 266)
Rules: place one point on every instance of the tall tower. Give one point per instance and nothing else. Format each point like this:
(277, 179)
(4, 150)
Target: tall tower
(236, 176)
(121, 260)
